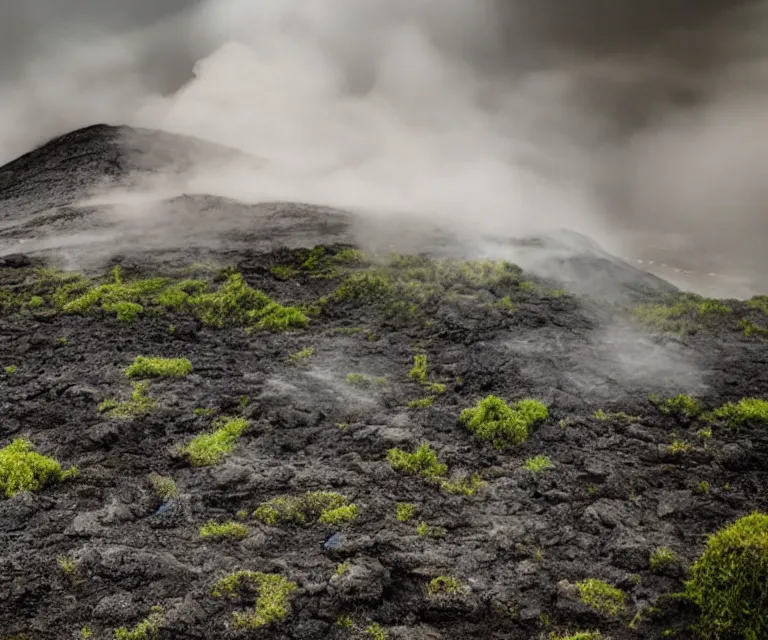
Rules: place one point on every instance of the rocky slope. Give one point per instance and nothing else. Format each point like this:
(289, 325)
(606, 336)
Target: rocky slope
(342, 358)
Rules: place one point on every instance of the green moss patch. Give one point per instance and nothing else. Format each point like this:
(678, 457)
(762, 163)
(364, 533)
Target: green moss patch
(323, 506)
(424, 463)
(139, 404)
(234, 530)
(686, 314)
(273, 593)
(729, 582)
(602, 597)
(443, 586)
(493, 420)
(210, 448)
(147, 629)
(149, 367)
(747, 411)
(23, 469)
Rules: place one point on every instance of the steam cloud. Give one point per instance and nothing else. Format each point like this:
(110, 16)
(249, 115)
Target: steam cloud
(639, 123)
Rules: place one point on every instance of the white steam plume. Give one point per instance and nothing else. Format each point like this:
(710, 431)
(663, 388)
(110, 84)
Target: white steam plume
(427, 108)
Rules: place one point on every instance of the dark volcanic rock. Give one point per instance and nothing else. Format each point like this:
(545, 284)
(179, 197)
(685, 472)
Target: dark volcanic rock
(615, 493)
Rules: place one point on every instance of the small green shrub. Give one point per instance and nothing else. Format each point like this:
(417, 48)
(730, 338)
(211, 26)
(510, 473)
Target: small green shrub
(164, 487)
(366, 287)
(23, 469)
(422, 462)
(211, 448)
(69, 568)
(444, 586)
(678, 447)
(580, 635)
(326, 506)
(35, 302)
(346, 513)
(423, 403)
(538, 464)
(424, 530)
(729, 581)
(11, 369)
(272, 602)
(405, 512)
(494, 420)
(437, 388)
(147, 629)
(139, 404)
(419, 370)
(86, 633)
(235, 530)
(662, 559)
(463, 486)
(345, 622)
(275, 317)
(376, 632)
(602, 597)
(680, 406)
(342, 569)
(747, 411)
(301, 356)
(148, 367)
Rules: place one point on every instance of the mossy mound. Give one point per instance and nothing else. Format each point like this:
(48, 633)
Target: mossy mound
(23, 469)
(729, 582)
(502, 425)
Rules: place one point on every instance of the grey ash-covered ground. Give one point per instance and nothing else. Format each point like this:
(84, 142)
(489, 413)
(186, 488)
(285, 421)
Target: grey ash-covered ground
(97, 552)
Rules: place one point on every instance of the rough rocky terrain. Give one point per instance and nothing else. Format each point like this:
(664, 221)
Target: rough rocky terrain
(96, 552)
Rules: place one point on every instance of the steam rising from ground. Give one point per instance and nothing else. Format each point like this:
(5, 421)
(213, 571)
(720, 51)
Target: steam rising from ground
(470, 111)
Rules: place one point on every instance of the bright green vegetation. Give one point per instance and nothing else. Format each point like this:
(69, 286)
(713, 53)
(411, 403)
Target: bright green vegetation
(538, 464)
(148, 367)
(69, 568)
(506, 304)
(342, 569)
(444, 586)
(86, 633)
(405, 512)
(235, 530)
(678, 447)
(345, 622)
(301, 356)
(759, 302)
(729, 582)
(272, 602)
(364, 381)
(164, 487)
(326, 506)
(376, 632)
(680, 406)
(662, 559)
(580, 635)
(705, 434)
(436, 387)
(602, 597)
(233, 304)
(424, 463)
(147, 629)
(347, 513)
(747, 411)
(422, 403)
(139, 404)
(11, 369)
(501, 424)
(683, 315)
(419, 370)
(424, 530)
(751, 329)
(23, 469)
(405, 285)
(702, 487)
(211, 448)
